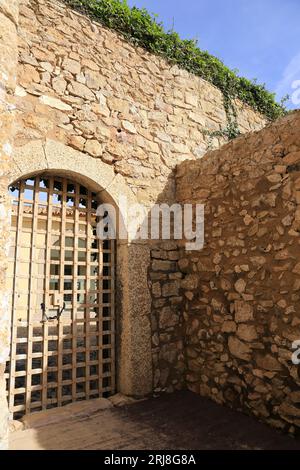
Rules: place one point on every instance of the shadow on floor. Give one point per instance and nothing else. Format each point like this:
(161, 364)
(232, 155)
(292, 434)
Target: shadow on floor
(181, 421)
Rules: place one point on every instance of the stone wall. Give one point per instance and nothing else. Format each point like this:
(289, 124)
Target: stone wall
(166, 318)
(85, 86)
(8, 68)
(242, 291)
(81, 86)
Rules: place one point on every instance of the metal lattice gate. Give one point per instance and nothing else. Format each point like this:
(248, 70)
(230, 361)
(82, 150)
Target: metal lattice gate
(62, 282)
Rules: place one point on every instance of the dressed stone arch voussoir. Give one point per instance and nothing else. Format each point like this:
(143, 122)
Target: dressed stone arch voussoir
(132, 297)
(38, 156)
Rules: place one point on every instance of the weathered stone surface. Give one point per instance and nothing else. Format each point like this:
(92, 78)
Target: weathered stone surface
(15, 426)
(242, 319)
(296, 269)
(243, 311)
(268, 362)
(170, 289)
(229, 327)
(240, 286)
(93, 147)
(78, 89)
(161, 265)
(82, 409)
(119, 400)
(142, 124)
(239, 349)
(9, 11)
(29, 75)
(295, 397)
(77, 142)
(167, 318)
(129, 127)
(55, 103)
(287, 409)
(4, 415)
(59, 85)
(247, 332)
(184, 265)
(72, 66)
(190, 282)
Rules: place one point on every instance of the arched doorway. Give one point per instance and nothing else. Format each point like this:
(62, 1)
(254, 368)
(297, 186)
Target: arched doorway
(61, 279)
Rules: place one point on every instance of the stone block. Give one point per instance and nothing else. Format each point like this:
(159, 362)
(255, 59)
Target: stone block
(243, 311)
(239, 349)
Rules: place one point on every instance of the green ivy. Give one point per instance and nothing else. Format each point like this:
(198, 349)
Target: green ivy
(143, 29)
(230, 132)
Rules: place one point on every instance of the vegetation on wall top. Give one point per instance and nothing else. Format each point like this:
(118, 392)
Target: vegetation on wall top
(141, 28)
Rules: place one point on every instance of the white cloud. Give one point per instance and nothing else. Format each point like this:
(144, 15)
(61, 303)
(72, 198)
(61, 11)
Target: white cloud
(290, 75)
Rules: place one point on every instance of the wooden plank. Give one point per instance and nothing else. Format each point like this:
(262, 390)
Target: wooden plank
(31, 296)
(12, 363)
(61, 288)
(100, 318)
(46, 294)
(88, 280)
(86, 331)
(112, 316)
(74, 291)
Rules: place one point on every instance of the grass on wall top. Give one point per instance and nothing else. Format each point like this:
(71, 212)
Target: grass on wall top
(141, 28)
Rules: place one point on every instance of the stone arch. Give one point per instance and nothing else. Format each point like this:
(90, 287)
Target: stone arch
(133, 303)
(54, 156)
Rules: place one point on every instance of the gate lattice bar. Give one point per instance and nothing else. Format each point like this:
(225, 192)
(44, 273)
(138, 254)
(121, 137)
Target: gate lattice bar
(61, 279)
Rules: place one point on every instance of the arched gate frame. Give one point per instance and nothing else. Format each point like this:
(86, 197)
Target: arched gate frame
(61, 279)
(127, 294)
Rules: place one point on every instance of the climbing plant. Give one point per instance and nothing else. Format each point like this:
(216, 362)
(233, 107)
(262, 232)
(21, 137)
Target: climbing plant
(143, 29)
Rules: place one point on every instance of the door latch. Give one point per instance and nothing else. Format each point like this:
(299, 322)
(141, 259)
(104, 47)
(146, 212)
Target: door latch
(60, 309)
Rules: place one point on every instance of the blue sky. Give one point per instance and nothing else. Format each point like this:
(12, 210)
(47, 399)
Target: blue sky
(260, 38)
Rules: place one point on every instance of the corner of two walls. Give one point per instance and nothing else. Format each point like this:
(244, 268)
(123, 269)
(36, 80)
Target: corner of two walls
(166, 318)
(241, 307)
(160, 110)
(8, 71)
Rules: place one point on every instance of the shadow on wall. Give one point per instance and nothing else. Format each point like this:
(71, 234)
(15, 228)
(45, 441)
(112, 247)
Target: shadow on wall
(224, 319)
(241, 293)
(69, 359)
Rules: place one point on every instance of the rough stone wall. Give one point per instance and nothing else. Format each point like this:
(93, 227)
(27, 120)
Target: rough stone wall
(8, 69)
(85, 86)
(167, 319)
(242, 291)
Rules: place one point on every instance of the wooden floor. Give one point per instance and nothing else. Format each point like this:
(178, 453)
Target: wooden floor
(182, 421)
